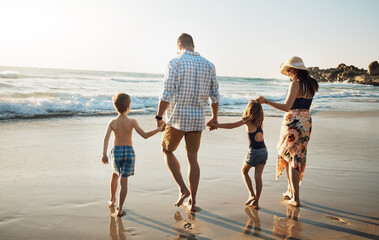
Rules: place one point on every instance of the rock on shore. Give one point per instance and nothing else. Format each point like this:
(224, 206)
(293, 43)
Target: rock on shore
(350, 74)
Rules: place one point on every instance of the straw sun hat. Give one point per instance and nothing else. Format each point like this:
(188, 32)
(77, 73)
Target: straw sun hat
(293, 62)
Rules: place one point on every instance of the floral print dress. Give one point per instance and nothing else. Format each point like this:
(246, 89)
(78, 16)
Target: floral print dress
(294, 136)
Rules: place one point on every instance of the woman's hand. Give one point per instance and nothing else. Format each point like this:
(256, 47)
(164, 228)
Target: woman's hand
(261, 99)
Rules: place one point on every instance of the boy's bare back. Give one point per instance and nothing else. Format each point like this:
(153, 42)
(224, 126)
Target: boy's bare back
(122, 127)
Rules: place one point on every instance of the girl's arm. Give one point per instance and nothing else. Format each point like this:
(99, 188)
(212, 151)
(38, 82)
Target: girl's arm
(230, 125)
(293, 90)
(144, 134)
(105, 144)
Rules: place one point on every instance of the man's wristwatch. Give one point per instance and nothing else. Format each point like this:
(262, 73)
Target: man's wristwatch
(158, 117)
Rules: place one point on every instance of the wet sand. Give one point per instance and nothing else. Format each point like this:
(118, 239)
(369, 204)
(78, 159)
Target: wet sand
(54, 186)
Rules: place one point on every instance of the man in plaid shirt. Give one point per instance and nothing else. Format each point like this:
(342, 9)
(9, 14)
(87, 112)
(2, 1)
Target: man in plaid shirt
(189, 81)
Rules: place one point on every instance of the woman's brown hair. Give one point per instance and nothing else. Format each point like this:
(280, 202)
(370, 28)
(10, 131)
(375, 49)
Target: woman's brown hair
(307, 83)
(254, 113)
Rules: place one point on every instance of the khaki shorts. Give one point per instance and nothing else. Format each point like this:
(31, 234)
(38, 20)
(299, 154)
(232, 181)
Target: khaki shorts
(173, 136)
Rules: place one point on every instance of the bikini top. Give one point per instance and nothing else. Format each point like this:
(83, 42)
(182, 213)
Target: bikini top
(254, 144)
(302, 103)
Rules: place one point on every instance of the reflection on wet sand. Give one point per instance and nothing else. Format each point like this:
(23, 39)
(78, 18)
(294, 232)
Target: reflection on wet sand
(289, 227)
(116, 228)
(252, 221)
(183, 226)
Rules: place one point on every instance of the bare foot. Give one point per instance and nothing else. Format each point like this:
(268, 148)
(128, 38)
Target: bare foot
(254, 204)
(112, 210)
(111, 203)
(287, 195)
(294, 203)
(181, 198)
(121, 213)
(250, 200)
(191, 205)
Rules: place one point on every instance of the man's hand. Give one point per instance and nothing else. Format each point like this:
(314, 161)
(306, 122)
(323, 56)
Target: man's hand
(160, 122)
(212, 124)
(162, 125)
(105, 159)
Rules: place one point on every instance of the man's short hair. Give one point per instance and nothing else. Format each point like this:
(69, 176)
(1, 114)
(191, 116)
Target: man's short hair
(121, 102)
(185, 40)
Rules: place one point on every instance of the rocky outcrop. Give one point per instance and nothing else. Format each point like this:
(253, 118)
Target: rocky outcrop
(373, 68)
(344, 73)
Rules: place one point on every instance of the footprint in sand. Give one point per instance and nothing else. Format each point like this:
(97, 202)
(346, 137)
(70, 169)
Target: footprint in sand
(188, 226)
(333, 218)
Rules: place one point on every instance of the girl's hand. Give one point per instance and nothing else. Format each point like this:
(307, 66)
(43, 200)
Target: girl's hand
(162, 126)
(261, 99)
(105, 159)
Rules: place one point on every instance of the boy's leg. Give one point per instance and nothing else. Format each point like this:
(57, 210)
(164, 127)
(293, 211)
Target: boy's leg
(246, 178)
(258, 184)
(123, 192)
(114, 181)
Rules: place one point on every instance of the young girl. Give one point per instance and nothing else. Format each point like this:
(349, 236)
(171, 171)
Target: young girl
(257, 154)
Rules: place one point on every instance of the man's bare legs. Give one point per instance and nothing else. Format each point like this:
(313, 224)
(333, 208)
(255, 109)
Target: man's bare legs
(245, 175)
(174, 167)
(193, 177)
(123, 192)
(114, 181)
(295, 181)
(258, 185)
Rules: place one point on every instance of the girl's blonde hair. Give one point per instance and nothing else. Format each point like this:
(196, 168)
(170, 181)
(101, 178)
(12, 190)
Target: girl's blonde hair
(254, 113)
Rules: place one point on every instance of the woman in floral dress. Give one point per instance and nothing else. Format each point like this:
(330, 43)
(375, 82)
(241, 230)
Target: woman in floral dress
(296, 127)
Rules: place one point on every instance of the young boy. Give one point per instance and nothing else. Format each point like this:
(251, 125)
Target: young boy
(122, 154)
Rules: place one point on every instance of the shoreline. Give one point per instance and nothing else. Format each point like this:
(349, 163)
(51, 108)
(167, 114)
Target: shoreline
(56, 163)
(208, 115)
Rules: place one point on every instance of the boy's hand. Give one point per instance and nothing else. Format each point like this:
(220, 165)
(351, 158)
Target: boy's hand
(105, 159)
(212, 123)
(212, 127)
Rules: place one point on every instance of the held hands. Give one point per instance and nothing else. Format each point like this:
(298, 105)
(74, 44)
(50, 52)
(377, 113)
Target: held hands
(212, 124)
(161, 125)
(105, 159)
(261, 99)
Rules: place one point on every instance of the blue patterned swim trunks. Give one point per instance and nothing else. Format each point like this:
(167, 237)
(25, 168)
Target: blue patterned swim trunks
(123, 159)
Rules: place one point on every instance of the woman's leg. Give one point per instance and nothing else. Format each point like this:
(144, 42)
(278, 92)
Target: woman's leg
(288, 193)
(295, 181)
(245, 175)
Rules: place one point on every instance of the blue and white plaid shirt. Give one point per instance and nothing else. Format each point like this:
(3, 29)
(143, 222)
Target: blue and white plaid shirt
(189, 81)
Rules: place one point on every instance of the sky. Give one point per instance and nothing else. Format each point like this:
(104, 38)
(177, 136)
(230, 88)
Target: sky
(243, 38)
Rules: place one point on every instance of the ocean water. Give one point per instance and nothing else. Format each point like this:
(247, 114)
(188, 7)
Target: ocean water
(27, 93)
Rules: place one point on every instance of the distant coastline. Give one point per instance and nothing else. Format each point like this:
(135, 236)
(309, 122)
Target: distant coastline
(351, 74)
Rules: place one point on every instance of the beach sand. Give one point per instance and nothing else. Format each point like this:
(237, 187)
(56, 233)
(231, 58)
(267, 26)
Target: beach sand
(54, 186)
